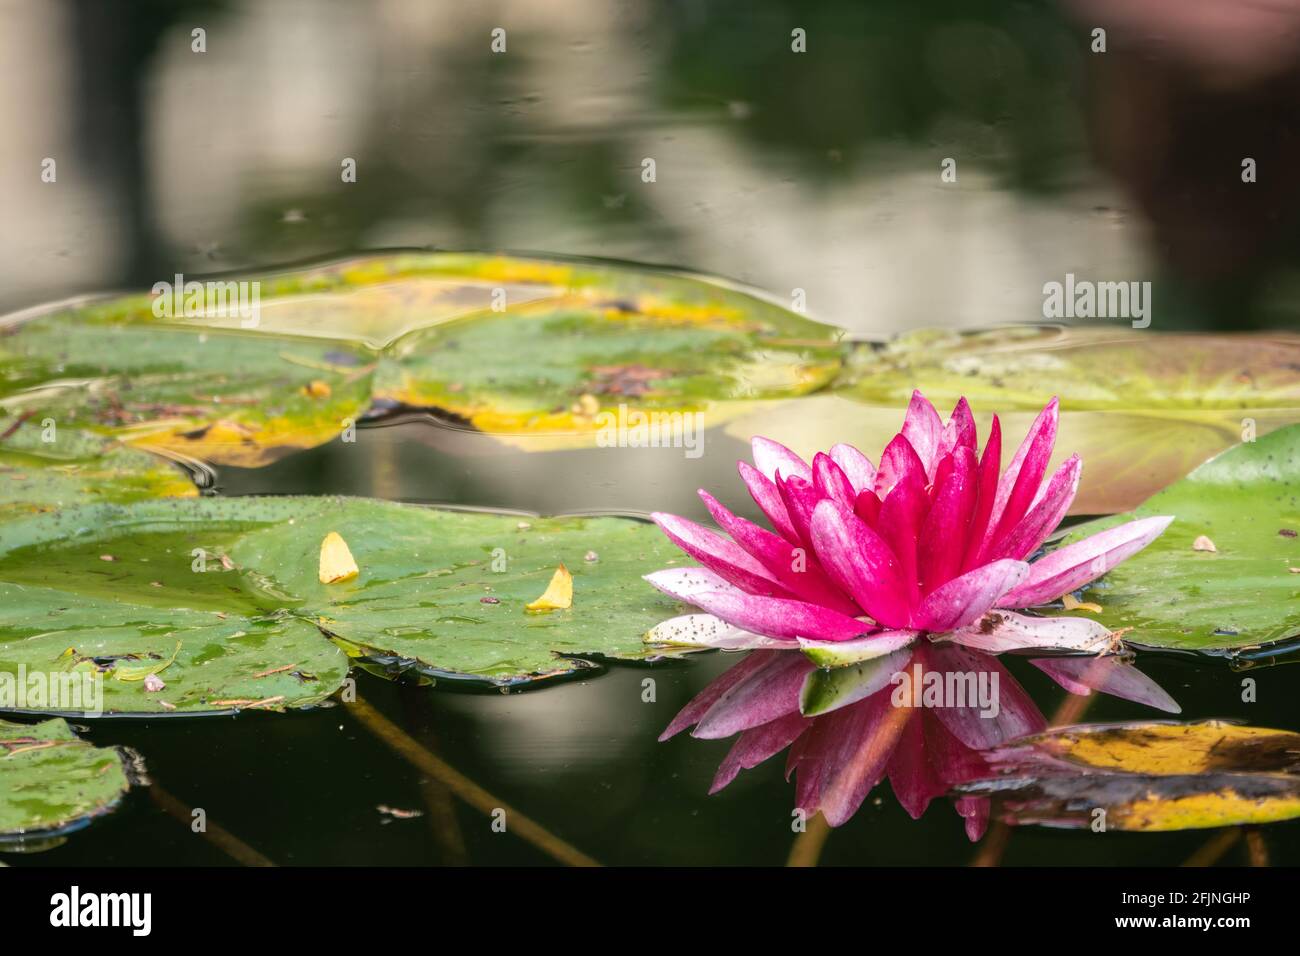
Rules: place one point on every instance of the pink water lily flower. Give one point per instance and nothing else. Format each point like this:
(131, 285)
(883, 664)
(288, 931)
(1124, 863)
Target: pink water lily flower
(867, 571)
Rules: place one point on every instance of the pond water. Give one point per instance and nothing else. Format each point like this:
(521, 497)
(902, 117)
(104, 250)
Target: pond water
(819, 174)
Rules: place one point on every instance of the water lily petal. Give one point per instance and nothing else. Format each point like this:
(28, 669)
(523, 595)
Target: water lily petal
(701, 702)
(685, 584)
(705, 630)
(986, 494)
(923, 429)
(830, 481)
(859, 561)
(768, 498)
(1020, 483)
(867, 507)
(1071, 567)
(966, 599)
(1000, 631)
(902, 512)
(771, 617)
(800, 499)
(1016, 713)
(975, 811)
(825, 691)
(844, 755)
(758, 744)
(1110, 675)
(898, 461)
(792, 565)
(1028, 536)
(857, 466)
(844, 653)
(770, 692)
(727, 559)
(911, 773)
(772, 459)
(942, 540)
(959, 432)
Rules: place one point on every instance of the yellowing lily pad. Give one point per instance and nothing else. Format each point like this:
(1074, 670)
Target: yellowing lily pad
(1146, 776)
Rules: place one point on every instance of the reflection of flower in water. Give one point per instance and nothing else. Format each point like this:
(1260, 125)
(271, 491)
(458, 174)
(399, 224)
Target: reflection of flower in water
(874, 572)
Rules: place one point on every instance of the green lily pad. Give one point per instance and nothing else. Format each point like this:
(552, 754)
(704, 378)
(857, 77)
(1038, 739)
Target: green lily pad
(562, 365)
(1145, 776)
(52, 781)
(114, 591)
(227, 397)
(1142, 409)
(73, 467)
(418, 600)
(1244, 594)
(113, 594)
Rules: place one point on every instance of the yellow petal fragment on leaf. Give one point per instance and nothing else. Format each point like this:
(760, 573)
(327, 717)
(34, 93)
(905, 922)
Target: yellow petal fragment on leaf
(336, 561)
(1203, 543)
(317, 389)
(1072, 605)
(558, 594)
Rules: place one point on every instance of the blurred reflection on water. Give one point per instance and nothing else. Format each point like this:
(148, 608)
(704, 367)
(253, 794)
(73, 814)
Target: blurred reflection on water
(816, 170)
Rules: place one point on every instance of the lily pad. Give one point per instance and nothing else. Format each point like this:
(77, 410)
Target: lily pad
(609, 344)
(1146, 776)
(74, 468)
(114, 593)
(1240, 596)
(227, 397)
(52, 781)
(114, 590)
(445, 592)
(1142, 409)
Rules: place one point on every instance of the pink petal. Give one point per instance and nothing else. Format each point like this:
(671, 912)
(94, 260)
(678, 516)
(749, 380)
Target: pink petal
(770, 692)
(975, 811)
(782, 559)
(999, 631)
(923, 428)
(685, 584)
(768, 498)
(860, 562)
(771, 617)
(705, 630)
(966, 599)
(727, 559)
(960, 430)
(1028, 536)
(1110, 675)
(867, 507)
(758, 744)
(942, 540)
(857, 466)
(831, 482)
(1019, 483)
(800, 499)
(1016, 714)
(986, 493)
(911, 775)
(898, 461)
(772, 458)
(844, 755)
(701, 702)
(901, 515)
(1071, 567)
